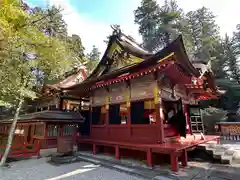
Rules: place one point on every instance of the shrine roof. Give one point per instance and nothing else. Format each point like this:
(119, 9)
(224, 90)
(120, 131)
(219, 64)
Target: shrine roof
(51, 116)
(103, 71)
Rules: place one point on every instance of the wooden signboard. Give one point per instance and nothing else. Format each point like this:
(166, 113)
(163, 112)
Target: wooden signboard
(143, 87)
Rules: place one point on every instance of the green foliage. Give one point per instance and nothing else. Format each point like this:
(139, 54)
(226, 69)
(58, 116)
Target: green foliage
(93, 59)
(52, 24)
(158, 25)
(204, 33)
(24, 49)
(211, 116)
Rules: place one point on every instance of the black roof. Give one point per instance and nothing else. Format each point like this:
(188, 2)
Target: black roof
(52, 116)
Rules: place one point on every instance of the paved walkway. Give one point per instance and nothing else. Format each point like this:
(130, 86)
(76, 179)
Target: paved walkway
(39, 169)
(195, 171)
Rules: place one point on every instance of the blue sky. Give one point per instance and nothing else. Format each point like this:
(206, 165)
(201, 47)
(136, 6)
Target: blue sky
(91, 19)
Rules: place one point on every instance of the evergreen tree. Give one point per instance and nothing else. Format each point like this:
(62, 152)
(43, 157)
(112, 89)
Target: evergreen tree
(93, 59)
(204, 33)
(146, 16)
(232, 59)
(219, 65)
(54, 24)
(158, 25)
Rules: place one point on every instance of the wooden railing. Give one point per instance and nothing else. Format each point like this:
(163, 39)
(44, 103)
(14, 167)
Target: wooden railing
(229, 130)
(22, 151)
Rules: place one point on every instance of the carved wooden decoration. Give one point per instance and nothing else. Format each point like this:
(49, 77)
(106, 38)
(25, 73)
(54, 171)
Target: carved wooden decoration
(99, 97)
(180, 92)
(117, 93)
(143, 87)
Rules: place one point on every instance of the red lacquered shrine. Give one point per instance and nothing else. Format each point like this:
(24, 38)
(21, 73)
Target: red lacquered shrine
(140, 101)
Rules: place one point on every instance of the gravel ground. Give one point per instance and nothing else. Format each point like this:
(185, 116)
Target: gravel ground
(39, 169)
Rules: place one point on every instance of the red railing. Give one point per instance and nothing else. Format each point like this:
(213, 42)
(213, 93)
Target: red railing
(22, 151)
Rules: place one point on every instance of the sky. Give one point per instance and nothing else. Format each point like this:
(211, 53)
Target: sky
(91, 19)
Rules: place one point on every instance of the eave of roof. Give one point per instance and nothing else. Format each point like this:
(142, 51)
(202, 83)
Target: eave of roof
(126, 45)
(50, 116)
(175, 47)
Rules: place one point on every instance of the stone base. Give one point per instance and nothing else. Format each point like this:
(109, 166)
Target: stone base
(61, 158)
(47, 152)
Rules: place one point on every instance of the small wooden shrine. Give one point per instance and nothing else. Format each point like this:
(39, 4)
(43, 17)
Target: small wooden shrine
(54, 114)
(44, 126)
(134, 94)
(53, 96)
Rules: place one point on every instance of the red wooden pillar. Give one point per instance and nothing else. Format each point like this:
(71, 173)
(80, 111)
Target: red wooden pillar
(184, 157)
(174, 161)
(45, 135)
(149, 157)
(117, 154)
(94, 149)
(128, 103)
(158, 106)
(187, 115)
(107, 110)
(158, 109)
(107, 115)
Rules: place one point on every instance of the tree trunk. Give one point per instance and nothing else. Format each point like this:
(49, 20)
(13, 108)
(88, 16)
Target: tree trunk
(11, 133)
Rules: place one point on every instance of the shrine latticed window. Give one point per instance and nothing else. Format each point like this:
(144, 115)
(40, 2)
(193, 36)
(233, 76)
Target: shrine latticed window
(68, 130)
(53, 130)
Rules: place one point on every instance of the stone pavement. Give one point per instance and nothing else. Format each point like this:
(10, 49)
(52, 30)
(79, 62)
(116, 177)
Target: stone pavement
(194, 171)
(105, 167)
(39, 169)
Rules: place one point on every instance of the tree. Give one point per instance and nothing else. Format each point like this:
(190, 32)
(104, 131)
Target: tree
(204, 33)
(158, 25)
(219, 65)
(93, 59)
(146, 16)
(23, 49)
(54, 24)
(232, 59)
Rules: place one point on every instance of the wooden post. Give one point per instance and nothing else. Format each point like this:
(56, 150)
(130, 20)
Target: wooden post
(45, 134)
(184, 157)
(186, 113)
(38, 148)
(117, 153)
(149, 157)
(158, 106)
(94, 149)
(107, 110)
(128, 103)
(174, 161)
(158, 109)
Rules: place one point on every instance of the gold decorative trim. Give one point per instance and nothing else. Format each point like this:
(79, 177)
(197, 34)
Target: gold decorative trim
(172, 54)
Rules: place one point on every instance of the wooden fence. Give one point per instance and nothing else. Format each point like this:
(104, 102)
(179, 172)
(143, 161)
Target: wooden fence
(22, 151)
(229, 130)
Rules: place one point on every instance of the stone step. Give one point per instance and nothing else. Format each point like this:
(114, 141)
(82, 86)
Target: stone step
(236, 157)
(226, 159)
(230, 152)
(221, 153)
